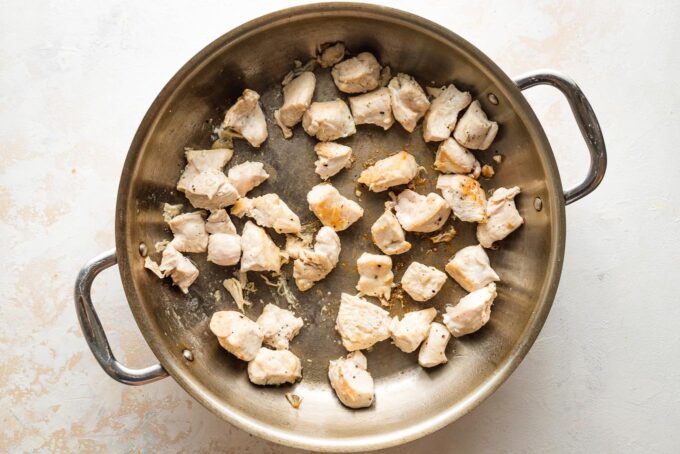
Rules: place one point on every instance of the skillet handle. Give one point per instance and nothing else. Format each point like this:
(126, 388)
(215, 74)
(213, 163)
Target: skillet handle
(587, 123)
(94, 332)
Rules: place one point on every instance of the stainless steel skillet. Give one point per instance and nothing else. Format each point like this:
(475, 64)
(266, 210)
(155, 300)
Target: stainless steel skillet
(410, 402)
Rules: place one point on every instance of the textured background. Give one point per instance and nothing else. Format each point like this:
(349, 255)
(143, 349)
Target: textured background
(75, 80)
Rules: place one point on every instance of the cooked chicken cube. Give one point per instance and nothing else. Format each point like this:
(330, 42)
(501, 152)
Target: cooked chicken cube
(387, 233)
(333, 157)
(441, 118)
(422, 282)
(331, 55)
(259, 251)
(246, 118)
(452, 158)
(465, 196)
(419, 213)
(375, 275)
(297, 96)
(178, 267)
(472, 311)
(433, 350)
(409, 102)
(224, 245)
(312, 265)
(358, 74)
(329, 120)
(374, 108)
(332, 208)
(474, 130)
(503, 217)
(360, 323)
(268, 211)
(470, 267)
(278, 326)
(274, 367)
(237, 334)
(351, 381)
(246, 176)
(400, 168)
(189, 232)
(204, 183)
(219, 222)
(224, 249)
(409, 332)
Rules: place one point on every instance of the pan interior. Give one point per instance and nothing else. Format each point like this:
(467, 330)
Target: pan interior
(408, 398)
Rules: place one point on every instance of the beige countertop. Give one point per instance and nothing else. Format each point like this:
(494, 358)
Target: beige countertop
(77, 77)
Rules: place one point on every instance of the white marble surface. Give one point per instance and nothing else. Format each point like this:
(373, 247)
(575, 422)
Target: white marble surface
(77, 77)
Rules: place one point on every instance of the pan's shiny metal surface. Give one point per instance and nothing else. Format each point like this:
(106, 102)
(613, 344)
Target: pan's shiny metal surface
(410, 401)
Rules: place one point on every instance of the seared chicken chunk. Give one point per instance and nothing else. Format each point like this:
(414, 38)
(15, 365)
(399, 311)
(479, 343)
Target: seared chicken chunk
(237, 334)
(331, 55)
(245, 176)
(178, 267)
(259, 251)
(433, 350)
(351, 381)
(360, 323)
(332, 208)
(441, 118)
(246, 118)
(419, 213)
(333, 157)
(409, 102)
(203, 181)
(329, 120)
(268, 211)
(189, 232)
(470, 267)
(374, 108)
(375, 275)
(274, 367)
(465, 196)
(422, 282)
(297, 96)
(388, 235)
(278, 326)
(472, 311)
(474, 130)
(358, 74)
(409, 332)
(503, 217)
(312, 265)
(400, 168)
(452, 158)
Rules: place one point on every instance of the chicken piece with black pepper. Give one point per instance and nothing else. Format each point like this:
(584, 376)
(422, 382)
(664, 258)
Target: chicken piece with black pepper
(268, 211)
(422, 282)
(441, 118)
(278, 326)
(274, 367)
(351, 381)
(375, 275)
(237, 334)
(328, 120)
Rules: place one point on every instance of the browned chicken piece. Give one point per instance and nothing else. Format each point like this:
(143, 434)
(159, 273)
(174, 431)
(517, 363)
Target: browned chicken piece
(246, 119)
